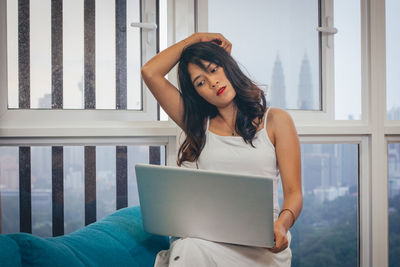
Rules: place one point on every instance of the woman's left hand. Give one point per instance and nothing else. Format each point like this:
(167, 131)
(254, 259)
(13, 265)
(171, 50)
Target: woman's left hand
(281, 241)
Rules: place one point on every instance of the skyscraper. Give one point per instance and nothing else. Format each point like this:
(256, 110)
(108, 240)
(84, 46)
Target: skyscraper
(278, 95)
(305, 99)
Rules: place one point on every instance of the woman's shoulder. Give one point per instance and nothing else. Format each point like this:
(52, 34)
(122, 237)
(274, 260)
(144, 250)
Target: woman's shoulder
(279, 121)
(277, 116)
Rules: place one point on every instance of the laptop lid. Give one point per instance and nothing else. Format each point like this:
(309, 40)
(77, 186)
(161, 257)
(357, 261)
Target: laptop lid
(212, 205)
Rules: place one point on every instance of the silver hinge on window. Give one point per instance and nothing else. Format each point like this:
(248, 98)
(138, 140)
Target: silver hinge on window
(144, 25)
(328, 29)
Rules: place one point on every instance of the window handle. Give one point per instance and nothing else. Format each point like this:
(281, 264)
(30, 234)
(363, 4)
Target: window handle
(329, 30)
(144, 25)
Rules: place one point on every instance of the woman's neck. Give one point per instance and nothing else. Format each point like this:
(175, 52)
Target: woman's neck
(228, 114)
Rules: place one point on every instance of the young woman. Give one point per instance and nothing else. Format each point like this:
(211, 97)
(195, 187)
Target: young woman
(228, 127)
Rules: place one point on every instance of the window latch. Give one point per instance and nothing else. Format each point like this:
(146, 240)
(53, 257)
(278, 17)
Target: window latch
(328, 30)
(144, 25)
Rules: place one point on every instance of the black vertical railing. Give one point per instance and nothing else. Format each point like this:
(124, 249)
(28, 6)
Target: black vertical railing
(122, 176)
(57, 161)
(25, 200)
(90, 184)
(90, 54)
(56, 54)
(121, 53)
(155, 155)
(24, 54)
(58, 190)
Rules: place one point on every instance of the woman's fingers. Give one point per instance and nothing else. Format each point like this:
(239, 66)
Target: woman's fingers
(225, 43)
(228, 47)
(218, 39)
(281, 243)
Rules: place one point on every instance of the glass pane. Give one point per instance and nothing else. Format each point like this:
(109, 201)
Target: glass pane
(136, 154)
(74, 188)
(134, 61)
(12, 53)
(286, 58)
(347, 60)
(163, 41)
(392, 59)
(74, 184)
(394, 203)
(41, 188)
(105, 54)
(327, 230)
(39, 63)
(105, 180)
(163, 160)
(73, 54)
(40, 52)
(9, 190)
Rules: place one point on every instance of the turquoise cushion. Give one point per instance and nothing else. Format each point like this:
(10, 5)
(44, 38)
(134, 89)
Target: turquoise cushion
(117, 240)
(9, 252)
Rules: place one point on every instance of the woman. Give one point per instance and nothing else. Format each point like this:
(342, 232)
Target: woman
(228, 127)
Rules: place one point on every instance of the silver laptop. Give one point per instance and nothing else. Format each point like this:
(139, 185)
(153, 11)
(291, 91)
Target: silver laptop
(211, 205)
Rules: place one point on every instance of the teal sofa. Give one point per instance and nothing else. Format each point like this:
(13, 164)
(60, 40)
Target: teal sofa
(116, 240)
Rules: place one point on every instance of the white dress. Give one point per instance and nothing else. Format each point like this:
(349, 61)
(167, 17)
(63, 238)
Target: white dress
(233, 154)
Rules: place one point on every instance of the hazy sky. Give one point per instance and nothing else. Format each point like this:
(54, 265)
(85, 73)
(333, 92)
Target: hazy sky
(393, 53)
(261, 31)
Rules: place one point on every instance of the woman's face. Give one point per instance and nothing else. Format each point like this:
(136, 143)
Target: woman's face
(212, 84)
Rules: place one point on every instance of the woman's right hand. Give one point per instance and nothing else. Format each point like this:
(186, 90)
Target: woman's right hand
(216, 38)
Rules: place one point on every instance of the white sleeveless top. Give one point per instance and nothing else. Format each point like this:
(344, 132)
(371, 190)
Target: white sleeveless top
(231, 153)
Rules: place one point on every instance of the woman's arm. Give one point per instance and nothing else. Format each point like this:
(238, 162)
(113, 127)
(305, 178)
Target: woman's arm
(287, 149)
(154, 71)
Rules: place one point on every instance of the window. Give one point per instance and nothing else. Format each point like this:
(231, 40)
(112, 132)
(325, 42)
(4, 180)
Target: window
(307, 58)
(88, 183)
(71, 96)
(346, 62)
(327, 229)
(83, 51)
(392, 60)
(394, 202)
(82, 57)
(347, 50)
(287, 58)
(348, 75)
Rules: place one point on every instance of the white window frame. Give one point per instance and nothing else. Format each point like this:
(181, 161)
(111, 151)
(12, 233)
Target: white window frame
(372, 132)
(78, 123)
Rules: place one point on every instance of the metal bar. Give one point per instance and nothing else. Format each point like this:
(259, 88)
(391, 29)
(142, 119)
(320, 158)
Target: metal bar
(121, 53)
(122, 176)
(90, 54)
(25, 200)
(158, 43)
(154, 155)
(24, 54)
(58, 190)
(90, 184)
(57, 54)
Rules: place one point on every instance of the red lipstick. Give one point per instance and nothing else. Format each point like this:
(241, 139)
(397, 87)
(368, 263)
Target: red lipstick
(221, 90)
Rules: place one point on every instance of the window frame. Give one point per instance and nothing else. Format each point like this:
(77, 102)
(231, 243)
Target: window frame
(373, 132)
(30, 122)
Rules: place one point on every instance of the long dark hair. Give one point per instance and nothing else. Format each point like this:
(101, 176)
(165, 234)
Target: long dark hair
(249, 99)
